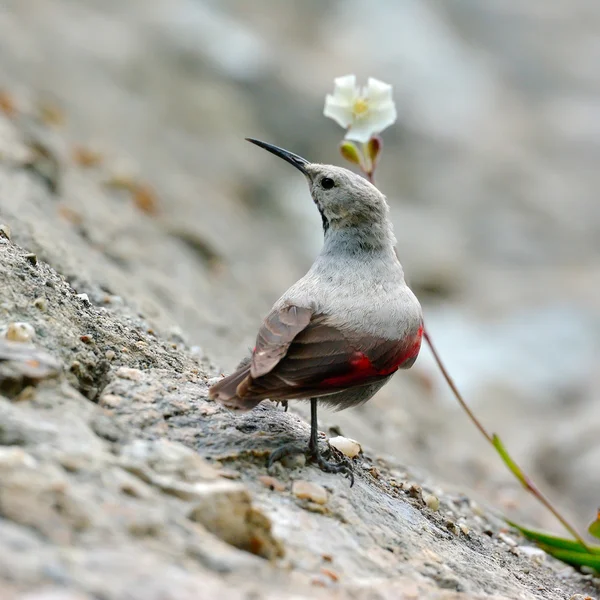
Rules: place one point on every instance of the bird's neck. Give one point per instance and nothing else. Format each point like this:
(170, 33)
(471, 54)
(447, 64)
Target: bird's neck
(356, 240)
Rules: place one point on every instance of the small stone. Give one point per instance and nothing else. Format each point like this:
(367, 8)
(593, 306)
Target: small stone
(415, 491)
(110, 401)
(330, 573)
(225, 509)
(272, 483)
(306, 490)
(347, 446)
(374, 472)
(452, 527)
(41, 304)
(84, 298)
(432, 502)
(31, 258)
(5, 231)
(464, 528)
(110, 355)
(87, 339)
(294, 461)
(580, 597)
(313, 507)
(19, 332)
(277, 470)
(507, 539)
(12, 457)
(129, 373)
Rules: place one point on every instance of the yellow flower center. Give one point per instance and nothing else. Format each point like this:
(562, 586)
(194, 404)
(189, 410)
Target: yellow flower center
(360, 107)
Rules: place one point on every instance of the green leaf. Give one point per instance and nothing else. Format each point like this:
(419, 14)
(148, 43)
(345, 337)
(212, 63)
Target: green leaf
(552, 541)
(578, 559)
(594, 528)
(509, 462)
(350, 152)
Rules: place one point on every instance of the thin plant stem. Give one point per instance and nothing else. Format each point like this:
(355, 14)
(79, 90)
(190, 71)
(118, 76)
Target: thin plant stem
(492, 439)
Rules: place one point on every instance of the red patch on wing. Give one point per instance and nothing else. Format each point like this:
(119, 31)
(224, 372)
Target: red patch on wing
(361, 368)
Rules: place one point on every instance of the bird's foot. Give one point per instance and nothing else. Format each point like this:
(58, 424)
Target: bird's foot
(343, 466)
(293, 449)
(285, 451)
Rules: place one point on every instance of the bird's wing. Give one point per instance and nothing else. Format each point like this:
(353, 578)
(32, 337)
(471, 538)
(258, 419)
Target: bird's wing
(275, 336)
(300, 354)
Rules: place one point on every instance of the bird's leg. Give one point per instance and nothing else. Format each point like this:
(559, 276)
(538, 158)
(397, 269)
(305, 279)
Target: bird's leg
(283, 403)
(313, 448)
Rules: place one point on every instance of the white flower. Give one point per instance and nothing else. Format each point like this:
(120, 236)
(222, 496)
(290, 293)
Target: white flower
(364, 112)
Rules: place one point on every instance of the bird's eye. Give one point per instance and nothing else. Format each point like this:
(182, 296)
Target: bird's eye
(327, 183)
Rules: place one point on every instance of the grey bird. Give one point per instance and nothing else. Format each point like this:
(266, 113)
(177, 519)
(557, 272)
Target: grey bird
(338, 334)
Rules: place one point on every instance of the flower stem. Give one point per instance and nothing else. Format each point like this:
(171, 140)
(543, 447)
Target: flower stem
(493, 439)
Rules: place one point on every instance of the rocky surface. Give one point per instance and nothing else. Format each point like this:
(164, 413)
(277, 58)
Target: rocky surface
(141, 241)
(120, 480)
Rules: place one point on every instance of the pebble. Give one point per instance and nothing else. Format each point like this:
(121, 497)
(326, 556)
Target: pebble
(19, 332)
(294, 461)
(432, 502)
(84, 298)
(110, 401)
(537, 555)
(129, 373)
(330, 573)
(306, 490)
(507, 539)
(347, 446)
(5, 231)
(41, 304)
(580, 597)
(12, 457)
(31, 258)
(110, 355)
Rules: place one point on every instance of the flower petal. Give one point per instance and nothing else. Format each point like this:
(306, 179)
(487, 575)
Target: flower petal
(378, 91)
(345, 88)
(361, 131)
(340, 112)
(382, 117)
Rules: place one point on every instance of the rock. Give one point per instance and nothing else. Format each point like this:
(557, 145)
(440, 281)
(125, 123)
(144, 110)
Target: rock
(306, 490)
(22, 365)
(350, 448)
(31, 258)
(19, 332)
(432, 502)
(91, 503)
(535, 554)
(41, 304)
(507, 539)
(225, 509)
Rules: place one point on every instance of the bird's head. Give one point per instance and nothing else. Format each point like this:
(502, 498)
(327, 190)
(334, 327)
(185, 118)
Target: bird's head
(346, 200)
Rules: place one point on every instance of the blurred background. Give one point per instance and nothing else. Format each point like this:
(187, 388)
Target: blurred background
(491, 172)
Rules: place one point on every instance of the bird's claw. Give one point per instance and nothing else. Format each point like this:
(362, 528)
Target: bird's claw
(343, 466)
(283, 451)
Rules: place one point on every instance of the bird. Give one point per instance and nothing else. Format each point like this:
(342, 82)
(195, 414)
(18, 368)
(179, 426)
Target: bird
(338, 334)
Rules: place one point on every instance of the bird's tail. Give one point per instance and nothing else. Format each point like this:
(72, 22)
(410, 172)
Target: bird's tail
(225, 391)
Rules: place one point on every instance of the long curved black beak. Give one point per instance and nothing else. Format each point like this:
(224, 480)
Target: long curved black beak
(290, 157)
